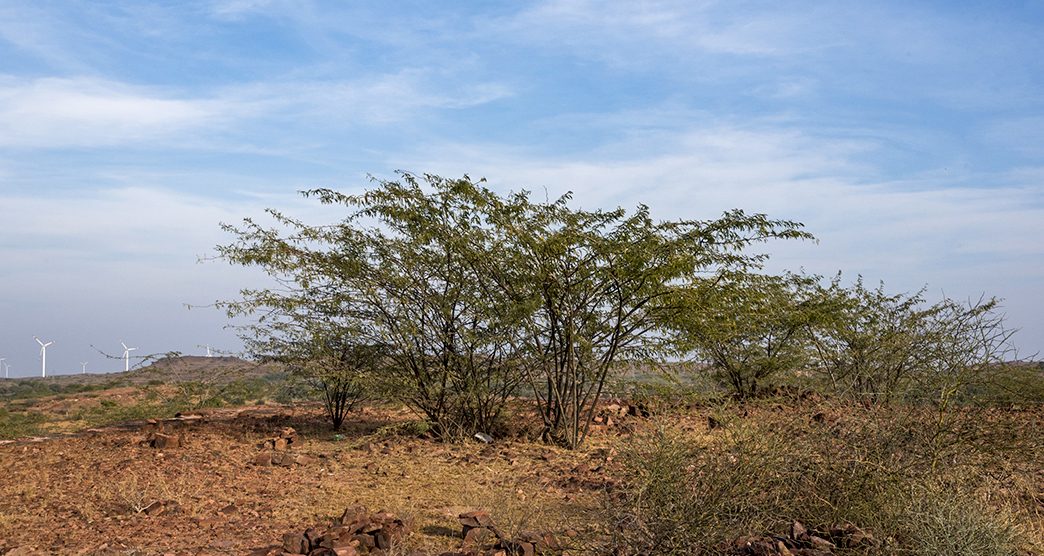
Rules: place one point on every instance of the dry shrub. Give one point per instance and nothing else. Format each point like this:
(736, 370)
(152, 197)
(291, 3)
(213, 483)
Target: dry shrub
(134, 490)
(885, 470)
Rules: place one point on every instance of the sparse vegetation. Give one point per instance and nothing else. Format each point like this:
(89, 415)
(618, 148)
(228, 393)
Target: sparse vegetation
(19, 424)
(693, 493)
(746, 406)
(470, 296)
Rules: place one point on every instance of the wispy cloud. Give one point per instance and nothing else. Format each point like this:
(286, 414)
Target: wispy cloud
(89, 112)
(86, 112)
(866, 224)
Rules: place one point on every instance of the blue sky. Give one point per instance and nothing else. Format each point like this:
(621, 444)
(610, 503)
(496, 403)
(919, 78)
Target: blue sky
(908, 136)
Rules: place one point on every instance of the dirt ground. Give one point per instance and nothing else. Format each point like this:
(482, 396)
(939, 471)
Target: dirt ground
(87, 493)
(106, 491)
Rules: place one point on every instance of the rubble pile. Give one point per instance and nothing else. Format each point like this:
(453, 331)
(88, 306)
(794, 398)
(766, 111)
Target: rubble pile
(276, 451)
(355, 533)
(483, 538)
(285, 440)
(804, 542)
(166, 434)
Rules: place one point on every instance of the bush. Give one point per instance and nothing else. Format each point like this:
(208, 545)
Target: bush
(692, 493)
(19, 425)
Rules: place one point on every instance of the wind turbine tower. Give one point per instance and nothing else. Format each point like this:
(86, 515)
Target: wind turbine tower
(126, 355)
(208, 351)
(83, 366)
(7, 370)
(2, 359)
(43, 356)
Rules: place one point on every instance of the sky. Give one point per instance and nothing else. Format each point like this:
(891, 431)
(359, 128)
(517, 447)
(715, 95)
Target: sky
(907, 136)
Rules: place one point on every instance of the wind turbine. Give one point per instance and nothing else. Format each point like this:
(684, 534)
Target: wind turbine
(7, 370)
(83, 364)
(126, 355)
(43, 356)
(208, 351)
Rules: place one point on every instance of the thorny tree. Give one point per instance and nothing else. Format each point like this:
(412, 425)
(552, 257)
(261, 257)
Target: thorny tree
(604, 285)
(751, 327)
(469, 294)
(403, 268)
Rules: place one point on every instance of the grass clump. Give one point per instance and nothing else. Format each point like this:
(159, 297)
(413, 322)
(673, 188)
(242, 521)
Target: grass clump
(109, 412)
(19, 424)
(883, 471)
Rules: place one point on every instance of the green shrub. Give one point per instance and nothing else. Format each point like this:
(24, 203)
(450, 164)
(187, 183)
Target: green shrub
(18, 424)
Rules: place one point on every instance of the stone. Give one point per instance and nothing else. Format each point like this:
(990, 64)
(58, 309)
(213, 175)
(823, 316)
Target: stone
(296, 543)
(850, 536)
(365, 541)
(353, 515)
(821, 543)
(798, 532)
(162, 441)
(282, 459)
(160, 507)
(478, 537)
(263, 459)
(476, 518)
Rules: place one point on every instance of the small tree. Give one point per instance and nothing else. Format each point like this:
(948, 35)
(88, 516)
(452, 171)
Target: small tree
(312, 337)
(875, 343)
(400, 271)
(750, 327)
(470, 293)
(603, 286)
(880, 346)
(342, 371)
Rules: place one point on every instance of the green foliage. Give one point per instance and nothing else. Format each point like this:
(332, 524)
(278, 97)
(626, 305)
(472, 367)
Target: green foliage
(605, 285)
(109, 412)
(751, 327)
(19, 424)
(39, 388)
(880, 347)
(466, 294)
(398, 279)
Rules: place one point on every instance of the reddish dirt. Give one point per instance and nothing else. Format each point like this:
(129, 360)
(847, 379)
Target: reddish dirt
(88, 493)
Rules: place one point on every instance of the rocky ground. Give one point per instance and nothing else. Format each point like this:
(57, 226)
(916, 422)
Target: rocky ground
(227, 482)
(271, 479)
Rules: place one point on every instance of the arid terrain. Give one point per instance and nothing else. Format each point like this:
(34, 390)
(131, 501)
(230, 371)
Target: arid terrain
(79, 479)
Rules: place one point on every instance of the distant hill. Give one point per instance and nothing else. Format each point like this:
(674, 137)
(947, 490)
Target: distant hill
(168, 370)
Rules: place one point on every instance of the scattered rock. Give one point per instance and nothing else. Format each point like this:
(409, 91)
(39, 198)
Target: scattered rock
(284, 441)
(482, 537)
(162, 441)
(804, 542)
(356, 532)
(161, 507)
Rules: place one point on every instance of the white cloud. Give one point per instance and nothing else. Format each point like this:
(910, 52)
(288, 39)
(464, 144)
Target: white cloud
(87, 112)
